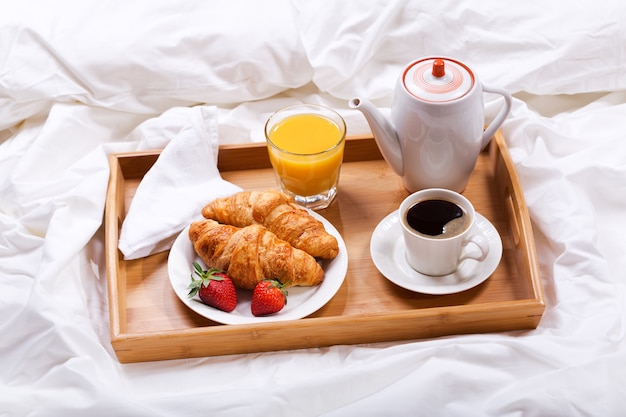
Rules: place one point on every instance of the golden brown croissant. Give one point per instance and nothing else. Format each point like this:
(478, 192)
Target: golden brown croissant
(251, 254)
(280, 215)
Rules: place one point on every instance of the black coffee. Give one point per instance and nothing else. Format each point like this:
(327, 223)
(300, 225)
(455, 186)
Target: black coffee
(437, 218)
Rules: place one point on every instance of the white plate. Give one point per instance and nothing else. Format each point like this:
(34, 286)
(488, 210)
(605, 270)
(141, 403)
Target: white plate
(301, 301)
(388, 254)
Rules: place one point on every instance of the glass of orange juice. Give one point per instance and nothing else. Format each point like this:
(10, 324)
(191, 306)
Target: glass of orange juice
(305, 144)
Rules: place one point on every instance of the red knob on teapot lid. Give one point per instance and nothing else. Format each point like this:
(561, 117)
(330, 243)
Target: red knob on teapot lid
(438, 79)
(439, 68)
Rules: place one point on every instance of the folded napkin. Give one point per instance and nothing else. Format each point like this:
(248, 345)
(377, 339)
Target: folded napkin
(172, 193)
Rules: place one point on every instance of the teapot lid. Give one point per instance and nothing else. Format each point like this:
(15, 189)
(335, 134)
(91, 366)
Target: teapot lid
(438, 79)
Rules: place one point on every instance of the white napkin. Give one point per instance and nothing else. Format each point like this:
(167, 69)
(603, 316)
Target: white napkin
(172, 193)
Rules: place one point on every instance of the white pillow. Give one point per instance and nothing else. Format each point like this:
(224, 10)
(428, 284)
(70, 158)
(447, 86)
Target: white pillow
(360, 47)
(146, 55)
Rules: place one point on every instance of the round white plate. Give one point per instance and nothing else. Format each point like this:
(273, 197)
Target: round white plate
(388, 253)
(301, 301)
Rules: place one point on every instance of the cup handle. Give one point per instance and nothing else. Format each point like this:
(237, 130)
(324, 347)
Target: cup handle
(499, 119)
(481, 242)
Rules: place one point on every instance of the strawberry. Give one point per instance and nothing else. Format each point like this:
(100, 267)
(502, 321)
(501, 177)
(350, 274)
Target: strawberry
(269, 297)
(214, 287)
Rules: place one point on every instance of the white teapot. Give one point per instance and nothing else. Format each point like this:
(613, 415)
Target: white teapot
(437, 126)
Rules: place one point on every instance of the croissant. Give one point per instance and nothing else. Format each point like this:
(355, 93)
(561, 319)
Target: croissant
(280, 215)
(251, 254)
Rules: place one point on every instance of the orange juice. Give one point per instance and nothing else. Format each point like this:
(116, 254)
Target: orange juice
(306, 151)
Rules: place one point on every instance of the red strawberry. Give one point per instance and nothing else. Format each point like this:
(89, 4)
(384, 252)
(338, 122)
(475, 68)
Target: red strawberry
(214, 287)
(269, 297)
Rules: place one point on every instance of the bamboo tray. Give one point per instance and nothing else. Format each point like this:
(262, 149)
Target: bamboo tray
(148, 322)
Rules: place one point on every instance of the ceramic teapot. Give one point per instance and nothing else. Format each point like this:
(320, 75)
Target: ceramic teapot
(437, 126)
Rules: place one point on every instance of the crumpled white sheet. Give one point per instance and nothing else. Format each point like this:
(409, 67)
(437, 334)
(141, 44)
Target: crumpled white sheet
(74, 88)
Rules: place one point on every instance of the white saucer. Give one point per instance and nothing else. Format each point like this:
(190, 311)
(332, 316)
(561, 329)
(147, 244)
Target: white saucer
(388, 254)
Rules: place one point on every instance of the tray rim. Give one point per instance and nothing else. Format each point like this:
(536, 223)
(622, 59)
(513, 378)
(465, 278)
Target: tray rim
(124, 342)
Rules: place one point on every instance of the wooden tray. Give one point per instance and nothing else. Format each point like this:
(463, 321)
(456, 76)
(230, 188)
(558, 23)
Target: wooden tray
(148, 322)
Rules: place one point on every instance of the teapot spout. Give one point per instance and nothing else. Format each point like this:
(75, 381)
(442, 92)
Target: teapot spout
(384, 133)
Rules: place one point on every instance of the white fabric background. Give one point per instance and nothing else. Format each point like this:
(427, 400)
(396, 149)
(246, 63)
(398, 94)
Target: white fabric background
(79, 80)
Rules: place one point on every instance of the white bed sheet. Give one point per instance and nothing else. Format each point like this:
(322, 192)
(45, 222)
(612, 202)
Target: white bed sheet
(79, 80)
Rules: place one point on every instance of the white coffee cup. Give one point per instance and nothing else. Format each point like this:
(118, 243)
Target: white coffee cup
(433, 253)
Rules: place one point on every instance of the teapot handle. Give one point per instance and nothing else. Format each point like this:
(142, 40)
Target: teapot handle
(504, 111)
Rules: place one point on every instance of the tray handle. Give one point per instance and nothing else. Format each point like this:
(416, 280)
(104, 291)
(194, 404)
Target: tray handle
(512, 215)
